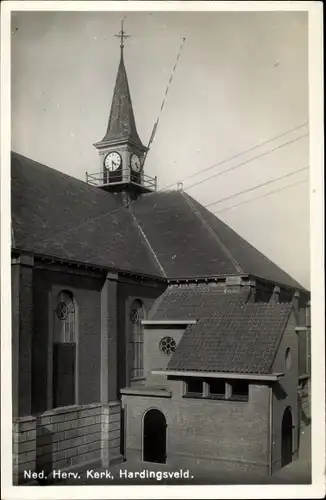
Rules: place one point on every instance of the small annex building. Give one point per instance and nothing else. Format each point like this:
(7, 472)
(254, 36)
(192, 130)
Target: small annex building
(220, 390)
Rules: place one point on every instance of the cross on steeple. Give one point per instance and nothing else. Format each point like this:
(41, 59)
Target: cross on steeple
(122, 35)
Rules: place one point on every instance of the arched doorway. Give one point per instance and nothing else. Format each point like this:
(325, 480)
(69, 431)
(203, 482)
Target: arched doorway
(154, 437)
(287, 432)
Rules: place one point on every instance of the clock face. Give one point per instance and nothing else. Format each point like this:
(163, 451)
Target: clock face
(112, 161)
(135, 163)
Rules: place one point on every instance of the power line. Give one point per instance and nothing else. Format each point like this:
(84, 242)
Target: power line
(257, 186)
(259, 197)
(246, 161)
(163, 189)
(240, 154)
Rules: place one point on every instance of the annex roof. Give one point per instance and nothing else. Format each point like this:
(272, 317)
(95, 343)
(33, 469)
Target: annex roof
(241, 338)
(192, 302)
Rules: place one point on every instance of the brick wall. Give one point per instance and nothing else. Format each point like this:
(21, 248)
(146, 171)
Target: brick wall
(285, 393)
(87, 292)
(57, 439)
(68, 436)
(128, 291)
(230, 434)
(111, 429)
(154, 358)
(23, 446)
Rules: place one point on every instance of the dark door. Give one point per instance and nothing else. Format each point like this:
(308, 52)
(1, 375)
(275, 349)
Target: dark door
(154, 436)
(287, 427)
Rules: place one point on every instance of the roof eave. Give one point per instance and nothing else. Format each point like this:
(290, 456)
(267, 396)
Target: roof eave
(168, 322)
(87, 265)
(269, 377)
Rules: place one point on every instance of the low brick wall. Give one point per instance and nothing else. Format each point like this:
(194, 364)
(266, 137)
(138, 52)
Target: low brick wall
(68, 436)
(23, 447)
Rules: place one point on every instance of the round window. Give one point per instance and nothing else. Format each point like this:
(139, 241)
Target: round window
(288, 358)
(134, 316)
(62, 310)
(168, 345)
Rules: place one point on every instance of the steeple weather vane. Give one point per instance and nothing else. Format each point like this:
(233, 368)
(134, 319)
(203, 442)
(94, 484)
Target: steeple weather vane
(122, 35)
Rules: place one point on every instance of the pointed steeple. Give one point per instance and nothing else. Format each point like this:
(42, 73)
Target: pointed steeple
(122, 126)
(121, 152)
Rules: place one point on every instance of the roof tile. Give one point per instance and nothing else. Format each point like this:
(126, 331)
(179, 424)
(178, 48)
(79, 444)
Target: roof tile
(241, 338)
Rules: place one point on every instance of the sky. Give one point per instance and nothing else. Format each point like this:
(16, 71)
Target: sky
(241, 80)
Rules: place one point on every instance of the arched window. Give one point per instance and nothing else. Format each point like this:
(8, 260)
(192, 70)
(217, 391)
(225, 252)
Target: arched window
(65, 321)
(136, 315)
(64, 350)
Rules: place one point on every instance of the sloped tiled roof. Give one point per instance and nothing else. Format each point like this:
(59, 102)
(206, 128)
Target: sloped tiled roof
(122, 125)
(239, 339)
(50, 214)
(194, 302)
(162, 234)
(189, 241)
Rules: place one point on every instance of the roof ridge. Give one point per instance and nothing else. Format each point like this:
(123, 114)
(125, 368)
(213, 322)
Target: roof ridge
(151, 249)
(206, 224)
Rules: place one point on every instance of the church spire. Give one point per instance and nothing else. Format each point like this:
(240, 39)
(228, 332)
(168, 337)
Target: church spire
(122, 126)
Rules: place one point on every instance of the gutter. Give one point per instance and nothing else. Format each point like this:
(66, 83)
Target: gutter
(272, 377)
(169, 322)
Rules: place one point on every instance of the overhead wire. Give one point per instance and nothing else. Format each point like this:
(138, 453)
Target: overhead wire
(225, 160)
(106, 214)
(234, 167)
(283, 188)
(257, 186)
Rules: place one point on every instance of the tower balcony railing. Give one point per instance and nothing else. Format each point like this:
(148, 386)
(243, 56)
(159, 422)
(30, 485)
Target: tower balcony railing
(122, 176)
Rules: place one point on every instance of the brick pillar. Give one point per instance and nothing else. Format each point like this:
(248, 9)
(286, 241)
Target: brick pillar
(109, 334)
(111, 408)
(23, 449)
(275, 298)
(296, 302)
(250, 286)
(110, 434)
(308, 315)
(22, 329)
(233, 284)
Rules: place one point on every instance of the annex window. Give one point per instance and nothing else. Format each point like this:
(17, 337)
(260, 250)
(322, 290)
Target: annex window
(137, 340)
(239, 390)
(216, 388)
(167, 345)
(64, 350)
(194, 387)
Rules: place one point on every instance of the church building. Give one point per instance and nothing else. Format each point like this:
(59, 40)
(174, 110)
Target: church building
(143, 327)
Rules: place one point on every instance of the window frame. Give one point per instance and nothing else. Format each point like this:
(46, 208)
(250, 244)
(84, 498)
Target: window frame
(136, 362)
(238, 397)
(54, 298)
